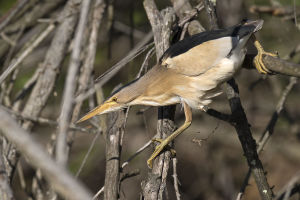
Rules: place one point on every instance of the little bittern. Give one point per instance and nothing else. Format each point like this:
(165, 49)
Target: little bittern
(190, 72)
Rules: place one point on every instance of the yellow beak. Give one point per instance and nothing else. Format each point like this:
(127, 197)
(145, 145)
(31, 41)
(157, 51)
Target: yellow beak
(104, 108)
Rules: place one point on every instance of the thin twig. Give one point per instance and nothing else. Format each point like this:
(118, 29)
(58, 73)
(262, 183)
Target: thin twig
(248, 143)
(70, 87)
(98, 193)
(113, 154)
(57, 176)
(127, 175)
(16, 62)
(269, 130)
(175, 177)
(47, 121)
(161, 23)
(5, 189)
(12, 13)
(145, 146)
(145, 62)
(87, 154)
(87, 68)
(241, 124)
(292, 187)
(100, 81)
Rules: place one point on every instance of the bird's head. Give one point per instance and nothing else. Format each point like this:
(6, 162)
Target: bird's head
(120, 99)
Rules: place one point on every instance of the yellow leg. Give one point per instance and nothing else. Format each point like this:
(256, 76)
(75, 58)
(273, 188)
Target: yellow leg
(165, 142)
(260, 66)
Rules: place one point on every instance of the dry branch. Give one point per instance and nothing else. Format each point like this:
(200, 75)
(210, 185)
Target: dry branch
(269, 130)
(12, 13)
(58, 177)
(52, 63)
(113, 155)
(280, 66)
(50, 69)
(291, 188)
(70, 87)
(5, 189)
(84, 79)
(161, 22)
(21, 57)
(28, 19)
(106, 76)
(242, 126)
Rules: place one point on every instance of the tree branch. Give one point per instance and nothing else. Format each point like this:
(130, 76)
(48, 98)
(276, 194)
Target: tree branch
(161, 22)
(242, 127)
(281, 66)
(58, 177)
(70, 87)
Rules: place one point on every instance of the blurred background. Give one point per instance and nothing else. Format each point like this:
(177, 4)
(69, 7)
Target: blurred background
(211, 164)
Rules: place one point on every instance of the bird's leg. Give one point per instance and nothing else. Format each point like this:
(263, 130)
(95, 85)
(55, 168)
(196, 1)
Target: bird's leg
(260, 66)
(165, 142)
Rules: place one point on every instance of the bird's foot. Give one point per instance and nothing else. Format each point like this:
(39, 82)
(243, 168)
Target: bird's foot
(158, 149)
(258, 62)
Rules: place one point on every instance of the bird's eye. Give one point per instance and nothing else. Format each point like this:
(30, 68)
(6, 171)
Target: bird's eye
(114, 99)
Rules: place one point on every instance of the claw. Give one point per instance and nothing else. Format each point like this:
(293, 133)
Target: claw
(157, 140)
(260, 66)
(163, 143)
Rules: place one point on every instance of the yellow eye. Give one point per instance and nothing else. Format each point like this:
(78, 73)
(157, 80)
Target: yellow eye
(114, 99)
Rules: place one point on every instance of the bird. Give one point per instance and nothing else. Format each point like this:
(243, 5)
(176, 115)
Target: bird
(190, 73)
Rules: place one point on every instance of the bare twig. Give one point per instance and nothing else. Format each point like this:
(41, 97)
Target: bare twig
(58, 177)
(269, 130)
(272, 10)
(127, 175)
(161, 22)
(248, 143)
(175, 177)
(16, 62)
(88, 63)
(271, 125)
(190, 15)
(292, 187)
(100, 81)
(98, 193)
(211, 12)
(12, 13)
(146, 62)
(113, 152)
(87, 155)
(145, 146)
(5, 189)
(42, 120)
(127, 30)
(242, 126)
(51, 65)
(280, 66)
(70, 87)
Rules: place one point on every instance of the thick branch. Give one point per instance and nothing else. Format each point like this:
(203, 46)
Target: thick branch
(58, 177)
(51, 67)
(241, 126)
(161, 22)
(113, 151)
(280, 66)
(70, 87)
(5, 189)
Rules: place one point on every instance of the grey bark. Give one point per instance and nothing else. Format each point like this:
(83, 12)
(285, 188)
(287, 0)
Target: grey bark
(154, 186)
(58, 177)
(113, 155)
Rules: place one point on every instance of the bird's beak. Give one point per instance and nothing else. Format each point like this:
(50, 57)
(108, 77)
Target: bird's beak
(106, 107)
